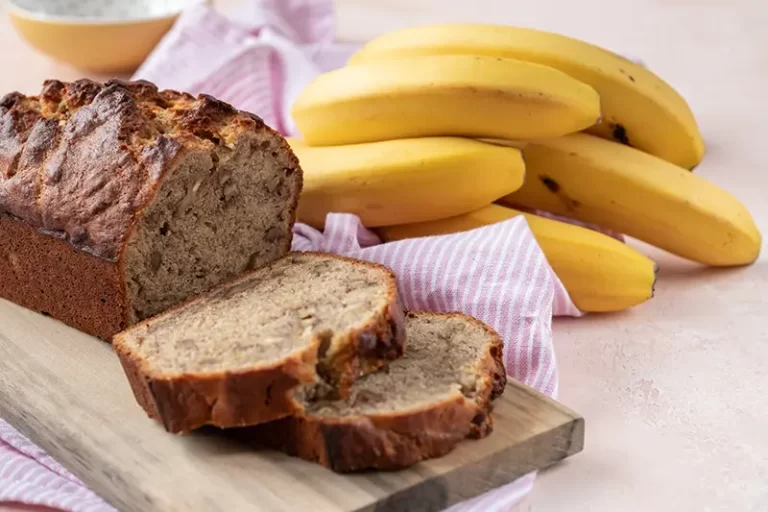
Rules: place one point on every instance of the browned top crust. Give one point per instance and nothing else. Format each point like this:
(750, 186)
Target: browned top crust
(83, 158)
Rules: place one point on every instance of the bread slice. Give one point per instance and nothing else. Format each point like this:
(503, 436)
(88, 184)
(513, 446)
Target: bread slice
(420, 407)
(234, 355)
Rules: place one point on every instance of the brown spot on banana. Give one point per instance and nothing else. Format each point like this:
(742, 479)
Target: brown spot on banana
(619, 133)
(554, 187)
(551, 184)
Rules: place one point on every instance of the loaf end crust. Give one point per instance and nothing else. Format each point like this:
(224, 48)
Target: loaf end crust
(45, 274)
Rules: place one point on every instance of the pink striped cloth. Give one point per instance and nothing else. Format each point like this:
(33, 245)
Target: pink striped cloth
(259, 60)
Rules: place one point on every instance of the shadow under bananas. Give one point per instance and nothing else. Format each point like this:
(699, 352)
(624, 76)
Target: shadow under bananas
(674, 269)
(673, 273)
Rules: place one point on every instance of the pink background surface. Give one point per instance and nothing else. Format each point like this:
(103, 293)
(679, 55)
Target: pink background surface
(671, 391)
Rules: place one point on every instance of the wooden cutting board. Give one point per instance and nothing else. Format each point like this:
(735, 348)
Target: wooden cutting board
(66, 391)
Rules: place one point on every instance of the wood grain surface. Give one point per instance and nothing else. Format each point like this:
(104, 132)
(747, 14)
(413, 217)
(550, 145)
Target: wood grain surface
(66, 392)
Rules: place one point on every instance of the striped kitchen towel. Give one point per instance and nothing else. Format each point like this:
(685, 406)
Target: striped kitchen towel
(259, 60)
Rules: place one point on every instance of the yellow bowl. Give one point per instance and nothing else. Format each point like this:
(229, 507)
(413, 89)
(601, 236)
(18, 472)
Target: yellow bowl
(102, 36)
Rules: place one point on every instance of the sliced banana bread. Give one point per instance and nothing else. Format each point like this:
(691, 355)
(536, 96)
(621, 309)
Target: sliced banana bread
(234, 355)
(419, 407)
(118, 201)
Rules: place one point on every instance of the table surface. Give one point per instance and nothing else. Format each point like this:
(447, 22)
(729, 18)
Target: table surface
(672, 391)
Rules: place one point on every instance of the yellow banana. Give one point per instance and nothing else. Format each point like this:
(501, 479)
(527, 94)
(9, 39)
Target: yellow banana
(404, 180)
(639, 108)
(445, 95)
(598, 181)
(599, 272)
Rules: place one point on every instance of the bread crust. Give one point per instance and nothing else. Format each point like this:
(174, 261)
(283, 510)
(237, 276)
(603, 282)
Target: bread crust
(264, 393)
(78, 166)
(370, 347)
(46, 274)
(224, 399)
(395, 440)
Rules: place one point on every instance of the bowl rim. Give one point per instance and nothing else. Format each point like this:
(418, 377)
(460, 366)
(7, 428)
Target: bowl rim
(14, 9)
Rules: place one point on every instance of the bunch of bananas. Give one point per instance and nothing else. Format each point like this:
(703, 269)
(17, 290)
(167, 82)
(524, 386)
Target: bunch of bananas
(443, 128)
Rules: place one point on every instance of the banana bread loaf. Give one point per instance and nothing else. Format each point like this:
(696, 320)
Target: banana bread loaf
(234, 355)
(118, 201)
(421, 406)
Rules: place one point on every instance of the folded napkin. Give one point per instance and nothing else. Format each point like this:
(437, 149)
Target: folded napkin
(259, 60)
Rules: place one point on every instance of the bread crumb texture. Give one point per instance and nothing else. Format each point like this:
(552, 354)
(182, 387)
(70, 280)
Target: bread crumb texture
(260, 319)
